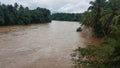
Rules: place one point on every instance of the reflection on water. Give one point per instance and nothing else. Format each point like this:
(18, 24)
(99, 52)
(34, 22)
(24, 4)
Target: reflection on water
(39, 46)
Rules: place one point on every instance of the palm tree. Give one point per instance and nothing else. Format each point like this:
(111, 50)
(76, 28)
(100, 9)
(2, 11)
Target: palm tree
(96, 9)
(110, 15)
(86, 18)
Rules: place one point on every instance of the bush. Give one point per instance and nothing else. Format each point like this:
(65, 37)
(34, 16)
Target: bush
(79, 29)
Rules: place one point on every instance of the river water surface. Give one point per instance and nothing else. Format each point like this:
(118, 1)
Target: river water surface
(40, 45)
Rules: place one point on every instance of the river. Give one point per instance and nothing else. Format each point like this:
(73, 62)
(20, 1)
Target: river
(39, 45)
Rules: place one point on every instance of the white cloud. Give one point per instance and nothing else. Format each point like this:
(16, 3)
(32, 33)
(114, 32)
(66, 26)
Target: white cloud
(68, 6)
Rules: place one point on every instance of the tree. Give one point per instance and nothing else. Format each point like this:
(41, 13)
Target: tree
(19, 15)
(95, 10)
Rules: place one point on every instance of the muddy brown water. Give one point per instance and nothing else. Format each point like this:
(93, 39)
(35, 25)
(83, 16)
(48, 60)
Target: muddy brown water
(40, 45)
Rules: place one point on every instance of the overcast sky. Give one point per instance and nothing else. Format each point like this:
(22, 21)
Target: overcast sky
(67, 6)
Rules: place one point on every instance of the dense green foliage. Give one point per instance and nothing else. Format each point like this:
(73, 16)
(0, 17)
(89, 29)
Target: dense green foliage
(104, 18)
(66, 16)
(17, 14)
(102, 15)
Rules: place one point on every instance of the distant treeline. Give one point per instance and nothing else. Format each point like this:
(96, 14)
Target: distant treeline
(19, 15)
(66, 16)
